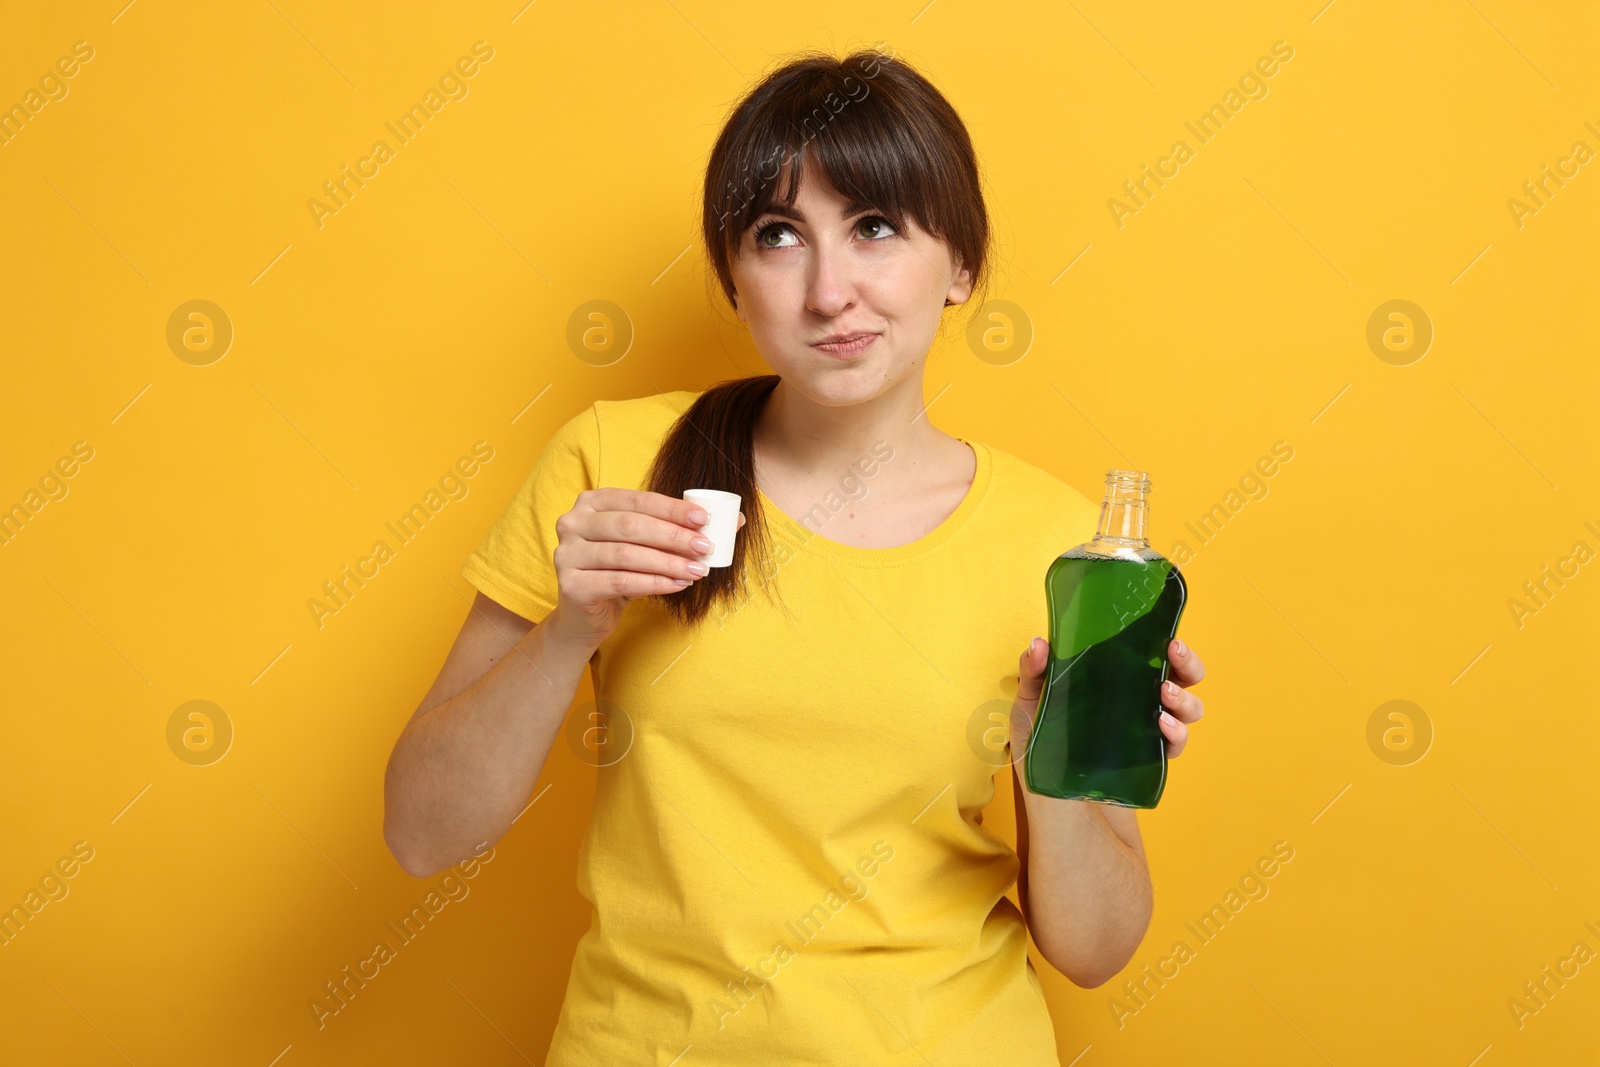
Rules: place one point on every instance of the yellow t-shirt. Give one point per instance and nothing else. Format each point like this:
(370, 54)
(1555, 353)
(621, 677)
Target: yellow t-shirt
(787, 864)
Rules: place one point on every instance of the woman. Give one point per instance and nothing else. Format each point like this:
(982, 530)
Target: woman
(786, 860)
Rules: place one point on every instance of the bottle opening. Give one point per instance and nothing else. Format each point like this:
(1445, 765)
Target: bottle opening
(1123, 513)
(1137, 481)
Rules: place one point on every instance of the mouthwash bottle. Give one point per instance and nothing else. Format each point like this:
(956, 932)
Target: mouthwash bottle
(1114, 605)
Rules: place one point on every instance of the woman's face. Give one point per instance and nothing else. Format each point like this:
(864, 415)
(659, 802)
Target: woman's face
(828, 267)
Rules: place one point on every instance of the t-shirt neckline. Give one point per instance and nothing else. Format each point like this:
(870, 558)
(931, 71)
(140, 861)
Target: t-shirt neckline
(811, 541)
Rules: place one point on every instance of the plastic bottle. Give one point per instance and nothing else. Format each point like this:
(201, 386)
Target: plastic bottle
(1114, 605)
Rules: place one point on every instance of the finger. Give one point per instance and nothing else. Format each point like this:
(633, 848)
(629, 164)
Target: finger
(1182, 703)
(642, 528)
(1030, 682)
(600, 584)
(1185, 664)
(659, 505)
(741, 520)
(1030, 670)
(619, 556)
(1176, 733)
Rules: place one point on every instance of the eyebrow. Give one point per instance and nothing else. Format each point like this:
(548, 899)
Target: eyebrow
(855, 207)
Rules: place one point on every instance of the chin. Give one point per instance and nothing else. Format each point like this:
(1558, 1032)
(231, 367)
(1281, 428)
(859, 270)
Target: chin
(839, 387)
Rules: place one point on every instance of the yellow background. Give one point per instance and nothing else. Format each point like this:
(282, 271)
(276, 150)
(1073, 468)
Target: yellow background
(1228, 314)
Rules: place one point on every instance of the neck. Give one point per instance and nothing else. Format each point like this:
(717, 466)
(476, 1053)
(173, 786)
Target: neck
(1124, 512)
(802, 437)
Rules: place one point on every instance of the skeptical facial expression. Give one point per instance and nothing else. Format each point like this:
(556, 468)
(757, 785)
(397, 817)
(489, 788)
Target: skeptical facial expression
(840, 303)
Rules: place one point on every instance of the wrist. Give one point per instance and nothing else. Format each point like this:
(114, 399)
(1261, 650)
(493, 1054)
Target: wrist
(559, 627)
(1046, 806)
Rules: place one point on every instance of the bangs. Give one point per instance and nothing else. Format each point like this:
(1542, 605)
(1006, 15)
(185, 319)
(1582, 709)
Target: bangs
(851, 135)
(870, 126)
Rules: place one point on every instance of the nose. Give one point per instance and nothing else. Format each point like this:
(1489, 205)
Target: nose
(830, 285)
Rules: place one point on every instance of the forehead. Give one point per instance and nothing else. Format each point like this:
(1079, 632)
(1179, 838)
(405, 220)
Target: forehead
(818, 202)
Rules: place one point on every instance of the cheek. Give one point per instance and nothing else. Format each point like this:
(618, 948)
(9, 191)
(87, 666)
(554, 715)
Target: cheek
(890, 291)
(768, 310)
(912, 281)
(911, 300)
(766, 292)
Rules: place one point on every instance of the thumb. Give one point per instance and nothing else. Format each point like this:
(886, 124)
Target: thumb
(1030, 670)
(1030, 682)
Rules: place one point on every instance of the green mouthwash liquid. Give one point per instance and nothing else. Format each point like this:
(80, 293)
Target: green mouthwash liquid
(1113, 610)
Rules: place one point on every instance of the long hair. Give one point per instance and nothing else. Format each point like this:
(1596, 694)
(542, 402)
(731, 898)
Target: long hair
(880, 133)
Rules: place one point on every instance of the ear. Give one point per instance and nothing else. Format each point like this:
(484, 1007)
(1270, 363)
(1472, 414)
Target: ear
(960, 289)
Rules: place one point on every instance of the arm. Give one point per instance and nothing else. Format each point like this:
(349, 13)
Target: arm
(471, 753)
(467, 760)
(1084, 885)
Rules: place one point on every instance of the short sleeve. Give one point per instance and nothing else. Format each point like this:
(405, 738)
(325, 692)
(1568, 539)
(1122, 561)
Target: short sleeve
(514, 564)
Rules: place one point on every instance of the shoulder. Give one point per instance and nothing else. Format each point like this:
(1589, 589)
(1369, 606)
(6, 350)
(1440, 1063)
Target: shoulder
(1024, 491)
(643, 415)
(609, 442)
(617, 422)
(1016, 475)
(628, 433)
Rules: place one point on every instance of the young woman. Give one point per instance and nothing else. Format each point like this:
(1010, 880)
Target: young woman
(786, 860)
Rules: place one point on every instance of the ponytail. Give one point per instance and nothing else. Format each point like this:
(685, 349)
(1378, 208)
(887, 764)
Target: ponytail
(712, 446)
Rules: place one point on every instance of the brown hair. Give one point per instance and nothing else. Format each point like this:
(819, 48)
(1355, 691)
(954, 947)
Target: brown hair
(881, 134)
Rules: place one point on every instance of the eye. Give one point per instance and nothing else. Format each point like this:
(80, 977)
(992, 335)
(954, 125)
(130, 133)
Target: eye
(876, 228)
(770, 227)
(880, 224)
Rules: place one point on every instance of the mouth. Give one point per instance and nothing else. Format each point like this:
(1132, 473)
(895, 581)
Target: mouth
(846, 346)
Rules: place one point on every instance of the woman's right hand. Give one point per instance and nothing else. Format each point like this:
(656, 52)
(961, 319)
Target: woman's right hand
(618, 544)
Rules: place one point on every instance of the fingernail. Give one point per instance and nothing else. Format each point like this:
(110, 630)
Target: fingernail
(696, 567)
(1171, 690)
(699, 517)
(701, 544)
(1167, 717)
(1183, 649)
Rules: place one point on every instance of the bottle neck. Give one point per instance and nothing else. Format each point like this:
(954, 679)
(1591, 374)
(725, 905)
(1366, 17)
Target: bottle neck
(1125, 510)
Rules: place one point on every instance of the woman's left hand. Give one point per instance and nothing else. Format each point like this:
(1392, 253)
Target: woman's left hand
(1182, 706)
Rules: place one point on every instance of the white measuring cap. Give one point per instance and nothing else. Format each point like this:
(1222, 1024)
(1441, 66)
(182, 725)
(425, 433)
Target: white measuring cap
(724, 525)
